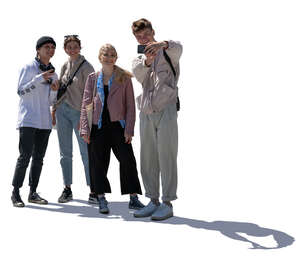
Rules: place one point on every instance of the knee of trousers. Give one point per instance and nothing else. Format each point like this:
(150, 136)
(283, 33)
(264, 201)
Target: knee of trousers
(64, 156)
(23, 160)
(37, 161)
(128, 162)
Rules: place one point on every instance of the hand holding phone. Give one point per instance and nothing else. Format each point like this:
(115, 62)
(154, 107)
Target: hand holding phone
(141, 49)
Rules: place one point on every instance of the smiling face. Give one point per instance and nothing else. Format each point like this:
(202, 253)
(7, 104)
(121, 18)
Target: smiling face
(72, 49)
(144, 36)
(46, 51)
(107, 56)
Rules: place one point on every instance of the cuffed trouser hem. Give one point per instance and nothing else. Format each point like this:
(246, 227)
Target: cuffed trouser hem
(164, 198)
(168, 198)
(130, 193)
(70, 182)
(67, 177)
(152, 196)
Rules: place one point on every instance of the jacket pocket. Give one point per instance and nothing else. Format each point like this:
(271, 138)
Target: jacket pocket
(139, 101)
(163, 95)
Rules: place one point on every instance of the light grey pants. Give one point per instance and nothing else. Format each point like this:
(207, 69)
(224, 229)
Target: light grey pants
(159, 145)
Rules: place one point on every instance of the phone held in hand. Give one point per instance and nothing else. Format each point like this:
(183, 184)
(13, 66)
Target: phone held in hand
(141, 49)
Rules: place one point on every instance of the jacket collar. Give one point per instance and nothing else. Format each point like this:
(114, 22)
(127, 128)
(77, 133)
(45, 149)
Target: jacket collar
(114, 86)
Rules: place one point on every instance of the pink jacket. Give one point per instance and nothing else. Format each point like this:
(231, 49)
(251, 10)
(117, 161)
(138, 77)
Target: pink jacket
(120, 104)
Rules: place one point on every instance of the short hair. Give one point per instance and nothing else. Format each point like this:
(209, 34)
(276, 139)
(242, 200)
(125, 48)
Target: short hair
(69, 39)
(140, 25)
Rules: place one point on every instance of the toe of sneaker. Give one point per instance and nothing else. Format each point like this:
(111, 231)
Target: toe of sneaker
(161, 217)
(19, 205)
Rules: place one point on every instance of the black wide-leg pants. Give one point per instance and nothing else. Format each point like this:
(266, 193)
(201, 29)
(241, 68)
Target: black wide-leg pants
(102, 141)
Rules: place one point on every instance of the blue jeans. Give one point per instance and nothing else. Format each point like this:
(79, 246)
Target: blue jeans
(67, 120)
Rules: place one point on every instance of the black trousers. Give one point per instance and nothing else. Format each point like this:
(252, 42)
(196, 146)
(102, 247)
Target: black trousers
(33, 143)
(102, 141)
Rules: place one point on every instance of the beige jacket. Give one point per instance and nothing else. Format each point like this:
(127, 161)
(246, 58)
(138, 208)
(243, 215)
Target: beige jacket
(74, 94)
(158, 81)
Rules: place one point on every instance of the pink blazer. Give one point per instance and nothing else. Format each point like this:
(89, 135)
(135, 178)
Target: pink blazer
(120, 104)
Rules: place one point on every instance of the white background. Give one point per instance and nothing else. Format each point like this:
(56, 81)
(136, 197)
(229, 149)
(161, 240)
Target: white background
(239, 128)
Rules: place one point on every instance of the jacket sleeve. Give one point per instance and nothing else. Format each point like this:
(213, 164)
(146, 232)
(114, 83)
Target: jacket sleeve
(62, 72)
(87, 69)
(53, 94)
(140, 69)
(86, 100)
(130, 108)
(174, 51)
(28, 80)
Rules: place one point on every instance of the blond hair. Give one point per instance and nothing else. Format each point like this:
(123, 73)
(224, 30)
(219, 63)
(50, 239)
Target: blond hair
(121, 75)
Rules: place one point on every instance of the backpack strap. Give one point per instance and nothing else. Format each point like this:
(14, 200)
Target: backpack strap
(169, 61)
(174, 73)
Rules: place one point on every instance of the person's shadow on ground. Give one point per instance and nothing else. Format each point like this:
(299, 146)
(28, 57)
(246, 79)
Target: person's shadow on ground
(119, 210)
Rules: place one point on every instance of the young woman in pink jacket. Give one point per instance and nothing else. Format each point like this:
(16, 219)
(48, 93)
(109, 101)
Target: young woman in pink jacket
(111, 92)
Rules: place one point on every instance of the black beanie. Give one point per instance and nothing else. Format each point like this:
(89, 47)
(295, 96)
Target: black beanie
(44, 40)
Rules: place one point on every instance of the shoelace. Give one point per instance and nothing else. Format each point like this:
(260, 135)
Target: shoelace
(135, 201)
(103, 203)
(134, 198)
(18, 198)
(93, 196)
(35, 195)
(66, 191)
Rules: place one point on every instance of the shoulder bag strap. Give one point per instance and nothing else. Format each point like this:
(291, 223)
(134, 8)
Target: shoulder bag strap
(71, 79)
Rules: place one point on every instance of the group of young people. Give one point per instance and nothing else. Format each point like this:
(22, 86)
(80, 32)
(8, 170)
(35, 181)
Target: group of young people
(100, 108)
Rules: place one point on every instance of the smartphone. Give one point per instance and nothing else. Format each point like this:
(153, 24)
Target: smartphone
(141, 49)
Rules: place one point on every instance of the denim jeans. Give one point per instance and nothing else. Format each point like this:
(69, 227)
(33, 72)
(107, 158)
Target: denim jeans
(67, 120)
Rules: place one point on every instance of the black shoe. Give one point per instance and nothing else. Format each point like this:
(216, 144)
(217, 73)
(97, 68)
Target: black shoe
(134, 203)
(66, 196)
(103, 205)
(16, 200)
(93, 198)
(35, 198)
